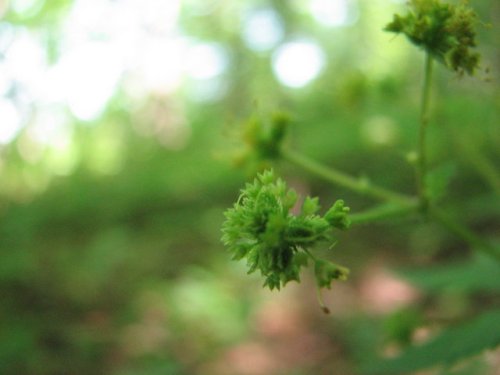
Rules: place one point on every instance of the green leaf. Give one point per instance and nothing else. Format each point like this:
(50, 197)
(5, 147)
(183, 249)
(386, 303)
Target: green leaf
(400, 325)
(476, 275)
(439, 179)
(448, 347)
(310, 206)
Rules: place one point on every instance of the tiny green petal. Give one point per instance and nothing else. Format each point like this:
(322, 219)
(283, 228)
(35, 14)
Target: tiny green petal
(337, 215)
(326, 272)
(310, 206)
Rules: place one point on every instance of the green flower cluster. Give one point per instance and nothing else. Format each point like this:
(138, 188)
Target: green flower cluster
(262, 140)
(446, 31)
(261, 229)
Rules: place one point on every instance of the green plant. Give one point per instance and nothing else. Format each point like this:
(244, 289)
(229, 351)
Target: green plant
(261, 229)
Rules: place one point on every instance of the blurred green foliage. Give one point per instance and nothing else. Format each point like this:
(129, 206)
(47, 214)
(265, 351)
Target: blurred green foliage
(110, 254)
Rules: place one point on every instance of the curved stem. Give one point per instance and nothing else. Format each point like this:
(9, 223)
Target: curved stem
(340, 178)
(421, 170)
(382, 212)
(321, 301)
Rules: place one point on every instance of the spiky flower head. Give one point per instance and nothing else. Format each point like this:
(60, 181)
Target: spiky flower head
(446, 31)
(261, 229)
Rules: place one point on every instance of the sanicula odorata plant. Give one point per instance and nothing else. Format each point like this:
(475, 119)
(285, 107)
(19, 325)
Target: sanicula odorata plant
(261, 229)
(260, 226)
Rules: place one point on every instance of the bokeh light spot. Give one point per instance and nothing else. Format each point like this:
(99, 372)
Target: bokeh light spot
(25, 7)
(87, 77)
(161, 65)
(297, 63)
(10, 121)
(206, 61)
(262, 29)
(334, 12)
(379, 130)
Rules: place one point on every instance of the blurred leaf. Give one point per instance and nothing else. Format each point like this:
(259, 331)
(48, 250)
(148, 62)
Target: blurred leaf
(438, 180)
(153, 366)
(400, 325)
(448, 347)
(475, 275)
(40, 13)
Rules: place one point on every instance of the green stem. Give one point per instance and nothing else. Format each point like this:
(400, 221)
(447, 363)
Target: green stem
(340, 178)
(311, 255)
(319, 295)
(464, 233)
(321, 301)
(421, 170)
(382, 212)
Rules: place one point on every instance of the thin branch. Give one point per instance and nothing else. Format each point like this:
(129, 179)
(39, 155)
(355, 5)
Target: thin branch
(337, 177)
(421, 170)
(383, 212)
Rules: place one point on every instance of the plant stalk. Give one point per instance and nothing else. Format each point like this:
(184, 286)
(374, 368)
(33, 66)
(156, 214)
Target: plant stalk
(340, 178)
(383, 212)
(421, 170)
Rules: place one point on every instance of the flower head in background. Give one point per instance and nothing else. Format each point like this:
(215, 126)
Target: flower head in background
(446, 31)
(261, 141)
